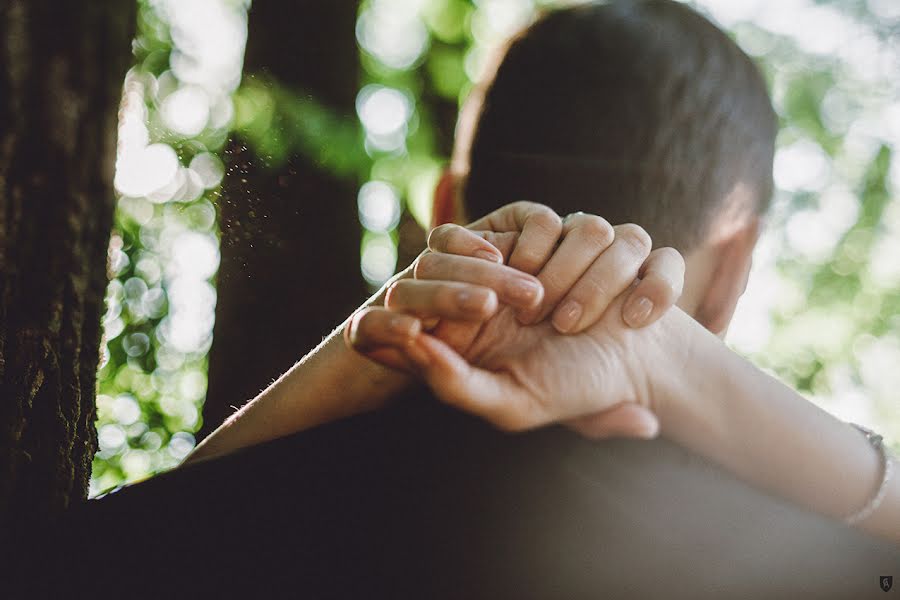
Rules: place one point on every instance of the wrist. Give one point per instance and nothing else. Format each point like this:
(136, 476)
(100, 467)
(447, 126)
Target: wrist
(381, 381)
(365, 383)
(678, 365)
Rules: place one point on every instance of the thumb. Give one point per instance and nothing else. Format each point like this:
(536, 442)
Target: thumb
(628, 420)
(489, 395)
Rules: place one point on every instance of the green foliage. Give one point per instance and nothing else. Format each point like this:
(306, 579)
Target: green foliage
(278, 123)
(163, 253)
(828, 290)
(823, 304)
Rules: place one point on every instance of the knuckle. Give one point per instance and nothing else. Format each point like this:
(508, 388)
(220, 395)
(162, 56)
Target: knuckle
(673, 256)
(597, 230)
(525, 205)
(636, 237)
(546, 219)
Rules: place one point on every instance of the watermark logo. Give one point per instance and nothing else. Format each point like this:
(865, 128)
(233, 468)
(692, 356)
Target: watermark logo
(887, 582)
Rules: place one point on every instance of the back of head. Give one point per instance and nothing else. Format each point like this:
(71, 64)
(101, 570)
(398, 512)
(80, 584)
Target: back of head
(639, 111)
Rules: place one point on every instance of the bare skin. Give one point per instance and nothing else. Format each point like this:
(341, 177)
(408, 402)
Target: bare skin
(333, 381)
(704, 396)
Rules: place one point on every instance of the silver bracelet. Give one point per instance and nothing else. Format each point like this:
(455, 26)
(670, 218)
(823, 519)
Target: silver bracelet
(886, 467)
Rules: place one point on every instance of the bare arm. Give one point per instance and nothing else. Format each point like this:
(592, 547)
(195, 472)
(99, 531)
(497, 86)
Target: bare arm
(329, 383)
(721, 406)
(333, 381)
(705, 397)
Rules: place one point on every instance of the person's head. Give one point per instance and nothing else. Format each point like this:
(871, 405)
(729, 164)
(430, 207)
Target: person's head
(639, 111)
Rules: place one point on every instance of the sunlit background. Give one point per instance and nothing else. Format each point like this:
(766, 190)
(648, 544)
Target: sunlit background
(823, 307)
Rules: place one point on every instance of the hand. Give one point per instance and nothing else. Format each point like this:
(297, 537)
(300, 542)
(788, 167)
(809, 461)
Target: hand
(589, 267)
(586, 271)
(477, 259)
(526, 236)
(524, 376)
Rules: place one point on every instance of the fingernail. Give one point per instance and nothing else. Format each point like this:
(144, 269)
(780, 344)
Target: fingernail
(524, 291)
(470, 302)
(637, 311)
(491, 256)
(566, 316)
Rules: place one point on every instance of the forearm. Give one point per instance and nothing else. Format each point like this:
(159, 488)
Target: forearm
(722, 407)
(329, 383)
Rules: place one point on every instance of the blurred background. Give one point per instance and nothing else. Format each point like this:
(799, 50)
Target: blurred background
(236, 133)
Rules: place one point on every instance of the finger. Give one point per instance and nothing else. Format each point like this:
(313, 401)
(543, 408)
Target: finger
(454, 239)
(505, 242)
(584, 238)
(512, 286)
(491, 396)
(391, 358)
(610, 275)
(662, 280)
(448, 240)
(459, 335)
(380, 335)
(372, 332)
(374, 327)
(540, 228)
(442, 299)
(623, 420)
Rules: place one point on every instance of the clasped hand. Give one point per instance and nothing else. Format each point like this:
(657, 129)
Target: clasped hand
(526, 319)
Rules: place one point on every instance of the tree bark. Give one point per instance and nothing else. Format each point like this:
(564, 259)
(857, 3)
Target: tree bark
(61, 70)
(289, 267)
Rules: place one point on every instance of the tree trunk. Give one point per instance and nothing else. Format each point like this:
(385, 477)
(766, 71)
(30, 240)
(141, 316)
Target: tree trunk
(290, 235)
(61, 70)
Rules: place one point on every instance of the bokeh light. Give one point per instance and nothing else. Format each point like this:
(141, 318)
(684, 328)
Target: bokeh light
(175, 117)
(823, 289)
(822, 310)
(379, 258)
(186, 110)
(392, 32)
(832, 68)
(379, 207)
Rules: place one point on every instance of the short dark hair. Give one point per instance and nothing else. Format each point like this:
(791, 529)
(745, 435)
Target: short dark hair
(640, 111)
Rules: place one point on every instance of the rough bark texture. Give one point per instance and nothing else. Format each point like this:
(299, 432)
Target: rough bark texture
(61, 70)
(290, 236)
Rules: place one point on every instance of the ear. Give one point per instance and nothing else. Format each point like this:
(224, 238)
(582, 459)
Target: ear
(729, 278)
(445, 208)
